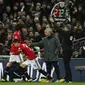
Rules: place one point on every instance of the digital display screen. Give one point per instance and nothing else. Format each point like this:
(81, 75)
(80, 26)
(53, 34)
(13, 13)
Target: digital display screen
(59, 12)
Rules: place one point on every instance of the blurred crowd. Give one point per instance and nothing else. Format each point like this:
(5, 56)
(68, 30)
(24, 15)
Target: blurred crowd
(34, 16)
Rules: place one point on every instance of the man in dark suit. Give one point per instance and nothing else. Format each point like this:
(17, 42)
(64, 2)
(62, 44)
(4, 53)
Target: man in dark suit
(65, 38)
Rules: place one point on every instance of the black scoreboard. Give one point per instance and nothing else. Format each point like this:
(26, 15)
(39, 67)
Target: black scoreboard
(59, 12)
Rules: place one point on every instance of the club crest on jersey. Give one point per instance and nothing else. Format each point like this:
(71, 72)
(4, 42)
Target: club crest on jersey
(19, 50)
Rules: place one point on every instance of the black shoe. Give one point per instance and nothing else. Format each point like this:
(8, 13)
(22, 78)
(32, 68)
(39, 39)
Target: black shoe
(30, 80)
(50, 80)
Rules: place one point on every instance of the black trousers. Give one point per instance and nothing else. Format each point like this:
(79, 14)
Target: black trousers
(49, 65)
(66, 60)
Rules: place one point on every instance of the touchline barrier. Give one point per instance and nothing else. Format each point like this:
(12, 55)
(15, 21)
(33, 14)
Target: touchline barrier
(35, 74)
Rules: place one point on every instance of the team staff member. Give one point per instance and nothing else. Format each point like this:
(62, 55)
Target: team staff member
(52, 48)
(65, 37)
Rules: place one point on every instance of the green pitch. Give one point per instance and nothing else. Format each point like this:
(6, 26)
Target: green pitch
(19, 83)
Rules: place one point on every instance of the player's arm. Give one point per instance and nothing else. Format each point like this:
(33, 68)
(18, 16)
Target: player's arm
(39, 44)
(28, 51)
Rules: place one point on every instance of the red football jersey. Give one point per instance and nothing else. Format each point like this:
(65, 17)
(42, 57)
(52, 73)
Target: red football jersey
(24, 49)
(27, 51)
(14, 50)
(17, 35)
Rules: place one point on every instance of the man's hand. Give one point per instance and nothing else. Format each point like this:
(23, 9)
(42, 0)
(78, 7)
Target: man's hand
(51, 19)
(61, 51)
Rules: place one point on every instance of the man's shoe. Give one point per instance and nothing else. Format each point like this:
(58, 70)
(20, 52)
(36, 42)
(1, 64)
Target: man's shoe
(50, 80)
(68, 81)
(43, 80)
(3, 80)
(62, 80)
(57, 81)
(30, 80)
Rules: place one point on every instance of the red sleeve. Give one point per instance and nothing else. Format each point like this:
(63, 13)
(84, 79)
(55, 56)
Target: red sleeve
(28, 52)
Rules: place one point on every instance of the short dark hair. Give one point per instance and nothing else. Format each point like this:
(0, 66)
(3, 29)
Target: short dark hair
(16, 41)
(19, 26)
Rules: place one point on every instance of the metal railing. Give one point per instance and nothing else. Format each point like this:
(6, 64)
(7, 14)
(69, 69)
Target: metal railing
(78, 46)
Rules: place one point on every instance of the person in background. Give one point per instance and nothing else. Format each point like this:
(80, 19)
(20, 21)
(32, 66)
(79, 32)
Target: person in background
(3, 35)
(1, 9)
(37, 37)
(66, 42)
(17, 33)
(31, 36)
